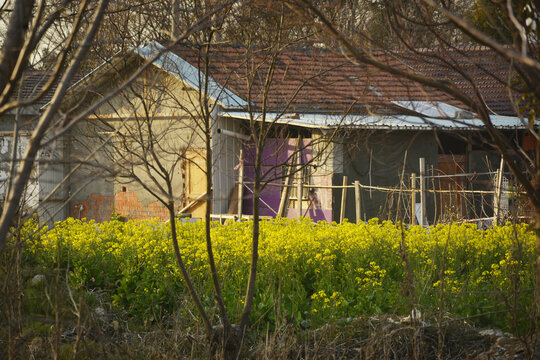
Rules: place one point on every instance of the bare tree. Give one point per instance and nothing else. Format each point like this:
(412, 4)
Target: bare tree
(265, 138)
(28, 30)
(150, 151)
(56, 104)
(455, 77)
(25, 30)
(159, 125)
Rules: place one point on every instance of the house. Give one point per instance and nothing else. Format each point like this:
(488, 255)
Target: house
(42, 193)
(330, 119)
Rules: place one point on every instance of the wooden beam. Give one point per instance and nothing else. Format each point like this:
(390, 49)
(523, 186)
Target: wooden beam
(199, 198)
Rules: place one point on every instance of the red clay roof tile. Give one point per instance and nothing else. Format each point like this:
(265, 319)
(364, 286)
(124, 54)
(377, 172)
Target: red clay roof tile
(318, 80)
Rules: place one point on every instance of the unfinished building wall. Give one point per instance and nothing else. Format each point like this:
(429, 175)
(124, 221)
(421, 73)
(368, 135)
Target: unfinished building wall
(135, 141)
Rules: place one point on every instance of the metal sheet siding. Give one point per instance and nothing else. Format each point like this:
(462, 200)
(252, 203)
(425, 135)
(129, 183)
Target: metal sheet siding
(50, 174)
(226, 150)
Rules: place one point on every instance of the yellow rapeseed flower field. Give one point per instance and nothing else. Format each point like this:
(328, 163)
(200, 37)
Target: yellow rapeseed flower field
(307, 271)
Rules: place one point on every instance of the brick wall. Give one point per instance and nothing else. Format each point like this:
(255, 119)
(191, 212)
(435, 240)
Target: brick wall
(124, 203)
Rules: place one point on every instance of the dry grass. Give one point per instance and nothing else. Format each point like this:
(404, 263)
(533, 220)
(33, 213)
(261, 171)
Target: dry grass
(106, 335)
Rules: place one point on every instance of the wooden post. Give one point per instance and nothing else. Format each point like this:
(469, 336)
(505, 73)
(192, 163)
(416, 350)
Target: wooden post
(357, 201)
(422, 192)
(299, 191)
(343, 199)
(240, 183)
(497, 200)
(413, 199)
(435, 207)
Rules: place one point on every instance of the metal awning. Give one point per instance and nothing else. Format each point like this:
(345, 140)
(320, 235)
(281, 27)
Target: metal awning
(390, 122)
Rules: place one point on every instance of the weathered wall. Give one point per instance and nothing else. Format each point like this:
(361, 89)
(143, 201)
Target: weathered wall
(157, 118)
(51, 170)
(31, 200)
(48, 169)
(125, 203)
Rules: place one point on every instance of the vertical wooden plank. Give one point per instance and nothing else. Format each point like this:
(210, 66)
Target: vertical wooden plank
(413, 199)
(343, 199)
(422, 191)
(454, 202)
(357, 201)
(240, 183)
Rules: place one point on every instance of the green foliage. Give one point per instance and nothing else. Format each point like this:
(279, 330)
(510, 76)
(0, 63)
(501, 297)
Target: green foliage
(307, 272)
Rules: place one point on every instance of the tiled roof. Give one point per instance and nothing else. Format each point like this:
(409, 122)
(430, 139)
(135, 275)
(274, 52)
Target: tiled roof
(32, 83)
(318, 80)
(491, 74)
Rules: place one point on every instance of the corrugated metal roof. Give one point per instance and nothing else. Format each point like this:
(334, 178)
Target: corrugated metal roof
(434, 109)
(186, 72)
(398, 122)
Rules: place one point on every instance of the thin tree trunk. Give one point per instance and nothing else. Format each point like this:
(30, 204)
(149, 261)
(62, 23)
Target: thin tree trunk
(209, 162)
(537, 230)
(185, 275)
(250, 291)
(537, 268)
(20, 19)
(208, 233)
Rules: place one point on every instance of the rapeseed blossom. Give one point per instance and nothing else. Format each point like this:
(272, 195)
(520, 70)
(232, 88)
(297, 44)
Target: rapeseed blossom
(317, 271)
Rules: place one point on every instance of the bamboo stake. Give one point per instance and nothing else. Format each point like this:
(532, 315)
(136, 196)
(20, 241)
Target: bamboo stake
(413, 199)
(284, 192)
(422, 191)
(343, 199)
(240, 183)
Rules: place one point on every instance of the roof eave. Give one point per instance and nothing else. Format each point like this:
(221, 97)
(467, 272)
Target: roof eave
(189, 74)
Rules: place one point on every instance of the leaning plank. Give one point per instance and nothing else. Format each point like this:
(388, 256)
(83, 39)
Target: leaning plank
(288, 180)
(188, 206)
